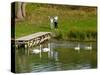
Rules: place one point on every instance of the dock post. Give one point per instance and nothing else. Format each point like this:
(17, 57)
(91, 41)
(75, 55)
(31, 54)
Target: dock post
(16, 46)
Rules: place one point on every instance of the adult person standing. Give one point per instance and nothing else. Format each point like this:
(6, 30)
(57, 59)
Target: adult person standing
(56, 22)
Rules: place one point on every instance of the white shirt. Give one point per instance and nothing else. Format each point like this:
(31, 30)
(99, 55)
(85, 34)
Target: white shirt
(51, 20)
(56, 18)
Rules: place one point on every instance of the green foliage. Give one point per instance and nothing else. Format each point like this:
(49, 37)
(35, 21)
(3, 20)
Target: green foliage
(76, 34)
(57, 34)
(72, 24)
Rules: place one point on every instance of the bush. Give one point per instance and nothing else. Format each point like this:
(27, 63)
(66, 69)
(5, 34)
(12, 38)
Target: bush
(57, 34)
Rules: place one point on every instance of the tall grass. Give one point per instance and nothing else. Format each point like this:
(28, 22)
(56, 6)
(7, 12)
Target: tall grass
(82, 35)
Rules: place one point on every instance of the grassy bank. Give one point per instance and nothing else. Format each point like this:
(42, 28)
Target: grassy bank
(76, 35)
(73, 23)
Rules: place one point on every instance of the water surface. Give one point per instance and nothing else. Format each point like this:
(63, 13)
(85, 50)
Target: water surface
(62, 56)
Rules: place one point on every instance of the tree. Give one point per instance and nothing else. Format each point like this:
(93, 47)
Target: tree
(20, 11)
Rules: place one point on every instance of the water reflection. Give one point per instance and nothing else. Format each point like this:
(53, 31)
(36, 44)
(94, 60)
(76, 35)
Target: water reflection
(44, 48)
(56, 56)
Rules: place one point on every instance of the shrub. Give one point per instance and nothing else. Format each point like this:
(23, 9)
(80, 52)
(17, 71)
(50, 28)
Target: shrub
(57, 34)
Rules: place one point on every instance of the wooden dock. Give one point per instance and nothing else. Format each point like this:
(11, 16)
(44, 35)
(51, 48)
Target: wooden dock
(33, 39)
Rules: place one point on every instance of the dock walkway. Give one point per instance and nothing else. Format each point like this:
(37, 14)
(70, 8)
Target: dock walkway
(33, 39)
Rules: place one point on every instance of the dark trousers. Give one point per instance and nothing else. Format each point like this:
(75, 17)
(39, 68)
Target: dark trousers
(55, 25)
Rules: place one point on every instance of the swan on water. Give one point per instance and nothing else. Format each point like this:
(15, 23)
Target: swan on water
(89, 47)
(46, 49)
(77, 47)
(36, 51)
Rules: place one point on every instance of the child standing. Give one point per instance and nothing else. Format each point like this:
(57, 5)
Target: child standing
(51, 22)
(56, 22)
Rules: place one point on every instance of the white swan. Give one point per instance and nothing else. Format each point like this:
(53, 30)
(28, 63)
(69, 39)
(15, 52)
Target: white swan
(36, 51)
(46, 49)
(77, 47)
(89, 47)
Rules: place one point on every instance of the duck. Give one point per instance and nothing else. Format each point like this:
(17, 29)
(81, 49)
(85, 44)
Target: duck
(89, 47)
(77, 47)
(46, 49)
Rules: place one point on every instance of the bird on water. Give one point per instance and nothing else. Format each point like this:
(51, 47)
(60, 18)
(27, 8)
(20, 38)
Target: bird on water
(77, 47)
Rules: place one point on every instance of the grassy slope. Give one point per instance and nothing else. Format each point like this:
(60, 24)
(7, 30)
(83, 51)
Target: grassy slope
(37, 20)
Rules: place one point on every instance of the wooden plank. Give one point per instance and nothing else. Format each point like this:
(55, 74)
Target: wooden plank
(32, 36)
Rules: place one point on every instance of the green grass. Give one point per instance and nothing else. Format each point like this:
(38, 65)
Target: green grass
(69, 19)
